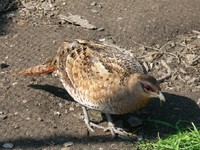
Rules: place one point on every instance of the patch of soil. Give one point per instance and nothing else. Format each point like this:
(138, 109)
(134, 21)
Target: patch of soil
(37, 113)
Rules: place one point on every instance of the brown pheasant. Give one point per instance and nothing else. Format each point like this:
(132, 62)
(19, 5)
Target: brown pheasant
(101, 77)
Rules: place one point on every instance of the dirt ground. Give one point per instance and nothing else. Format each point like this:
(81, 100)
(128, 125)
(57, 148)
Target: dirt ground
(37, 113)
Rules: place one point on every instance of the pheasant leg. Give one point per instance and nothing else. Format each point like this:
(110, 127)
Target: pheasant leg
(111, 127)
(115, 131)
(88, 123)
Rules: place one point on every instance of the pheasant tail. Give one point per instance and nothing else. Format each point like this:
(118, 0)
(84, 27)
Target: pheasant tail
(45, 68)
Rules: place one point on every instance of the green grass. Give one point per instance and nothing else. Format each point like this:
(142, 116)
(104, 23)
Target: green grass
(183, 140)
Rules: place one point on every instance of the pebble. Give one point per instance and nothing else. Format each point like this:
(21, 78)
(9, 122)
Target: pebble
(140, 138)
(4, 65)
(71, 108)
(3, 117)
(24, 101)
(28, 118)
(100, 29)
(57, 113)
(40, 119)
(94, 11)
(64, 3)
(93, 4)
(8, 145)
(68, 144)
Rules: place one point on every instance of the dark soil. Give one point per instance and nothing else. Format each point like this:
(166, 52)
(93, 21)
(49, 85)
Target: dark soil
(37, 113)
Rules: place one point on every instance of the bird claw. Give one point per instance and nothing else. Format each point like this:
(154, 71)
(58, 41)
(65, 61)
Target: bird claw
(91, 124)
(113, 130)
(119, 131)
(89, 127)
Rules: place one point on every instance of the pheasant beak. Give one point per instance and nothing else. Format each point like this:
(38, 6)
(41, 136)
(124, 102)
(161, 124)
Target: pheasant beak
(161, 96)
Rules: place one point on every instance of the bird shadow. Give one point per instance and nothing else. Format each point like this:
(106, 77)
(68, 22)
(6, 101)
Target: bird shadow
(178, 111)
(56, 91)
(175, 108)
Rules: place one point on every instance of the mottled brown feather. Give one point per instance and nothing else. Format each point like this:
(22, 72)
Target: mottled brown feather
(96, 75)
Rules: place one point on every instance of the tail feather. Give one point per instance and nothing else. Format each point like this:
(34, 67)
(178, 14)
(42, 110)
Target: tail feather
(45, 68)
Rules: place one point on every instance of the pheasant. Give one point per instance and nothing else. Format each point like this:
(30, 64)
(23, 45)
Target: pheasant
(101, 77)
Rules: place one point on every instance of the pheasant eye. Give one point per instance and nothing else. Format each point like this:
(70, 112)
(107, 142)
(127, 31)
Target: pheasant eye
(147, 88)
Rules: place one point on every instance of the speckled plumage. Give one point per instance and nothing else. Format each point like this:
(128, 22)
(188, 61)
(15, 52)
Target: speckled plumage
(99, 76)
(95, 75)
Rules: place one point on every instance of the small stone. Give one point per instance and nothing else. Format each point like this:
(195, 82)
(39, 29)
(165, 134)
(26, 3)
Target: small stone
(100, 148)
(151, 65)
(100, 29)
(8, 145)
(64, 3)
(3, 117)
(93, 4)
(54, 42)
(102, 40)
(71, 108)
(68, 144)
(4, 65)
(57, 113)
(40, 119)
(16, 126)
(100, 6)
(24, 101)
(28, 118)
(14, 83)
(140, 138)
(94, 11)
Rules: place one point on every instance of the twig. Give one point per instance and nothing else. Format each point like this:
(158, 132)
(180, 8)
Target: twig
(168, 74)
(166, 44)
(150, 53)
(148, 47)
(196, 32)
(174, 56)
